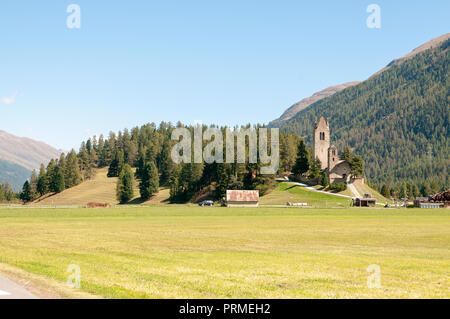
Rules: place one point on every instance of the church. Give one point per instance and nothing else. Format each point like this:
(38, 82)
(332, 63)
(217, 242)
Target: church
(337, 170)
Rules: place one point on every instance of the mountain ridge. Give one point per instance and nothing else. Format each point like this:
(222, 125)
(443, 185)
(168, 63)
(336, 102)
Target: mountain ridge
(25, 151)
(293, 110)
(20, 155)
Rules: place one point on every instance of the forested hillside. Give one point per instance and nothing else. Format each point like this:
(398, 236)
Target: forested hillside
(148, 149)
(397, 120)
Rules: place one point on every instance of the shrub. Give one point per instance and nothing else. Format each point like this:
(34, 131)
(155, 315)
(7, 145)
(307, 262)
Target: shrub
(338, 187)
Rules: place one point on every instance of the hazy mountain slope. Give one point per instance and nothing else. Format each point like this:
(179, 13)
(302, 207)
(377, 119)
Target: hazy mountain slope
(397, 120)
(13, 174)
(25, 151)
(19, 156)
(297, 107)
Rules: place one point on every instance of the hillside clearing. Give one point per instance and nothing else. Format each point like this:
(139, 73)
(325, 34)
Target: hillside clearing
(98, 189)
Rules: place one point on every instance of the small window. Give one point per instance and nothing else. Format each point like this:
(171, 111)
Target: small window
(322, 136)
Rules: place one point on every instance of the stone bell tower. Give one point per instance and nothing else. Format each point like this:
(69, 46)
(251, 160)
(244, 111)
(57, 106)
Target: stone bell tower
(321, 141)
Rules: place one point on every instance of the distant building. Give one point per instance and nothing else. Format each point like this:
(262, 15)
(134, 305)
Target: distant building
(440, 200)
(364, 202)
(337, 170)
(242, 198)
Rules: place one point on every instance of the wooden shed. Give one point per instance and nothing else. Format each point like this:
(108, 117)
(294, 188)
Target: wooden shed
(364, 202)
(242, 198)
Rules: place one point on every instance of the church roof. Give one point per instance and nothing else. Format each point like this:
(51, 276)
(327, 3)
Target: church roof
(342, 162)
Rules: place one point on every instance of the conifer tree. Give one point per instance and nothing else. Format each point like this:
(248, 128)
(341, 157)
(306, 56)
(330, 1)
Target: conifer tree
(57, 184)
(33, 186)
(302, 163)
(25, 195)
(315, 169)
(42, 184)
(357, 166)
(149, 183)
(385, 191)
(72, 172)
(116, 164)
(324, 180)
(223, 180)
(124, 189)
(347, 154)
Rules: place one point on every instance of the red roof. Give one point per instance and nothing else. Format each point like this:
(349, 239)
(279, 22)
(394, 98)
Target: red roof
(242, 196)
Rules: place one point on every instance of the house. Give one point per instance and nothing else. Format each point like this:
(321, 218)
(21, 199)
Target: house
(242, 198)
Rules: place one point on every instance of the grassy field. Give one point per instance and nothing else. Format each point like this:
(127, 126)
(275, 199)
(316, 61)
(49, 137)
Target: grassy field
(191, 252)
(288, 192)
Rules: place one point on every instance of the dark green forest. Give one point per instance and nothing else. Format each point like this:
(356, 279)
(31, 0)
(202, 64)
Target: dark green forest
(398, 121)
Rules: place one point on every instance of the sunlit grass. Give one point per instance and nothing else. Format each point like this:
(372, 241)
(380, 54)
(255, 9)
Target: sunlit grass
(191, 252)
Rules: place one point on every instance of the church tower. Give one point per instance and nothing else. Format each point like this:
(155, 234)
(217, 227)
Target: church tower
(321, 141)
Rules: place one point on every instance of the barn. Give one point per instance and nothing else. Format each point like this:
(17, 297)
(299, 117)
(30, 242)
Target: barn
(242, 198)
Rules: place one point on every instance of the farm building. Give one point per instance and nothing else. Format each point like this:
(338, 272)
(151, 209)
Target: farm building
(365, 201)
(242, 198)
(439, 200)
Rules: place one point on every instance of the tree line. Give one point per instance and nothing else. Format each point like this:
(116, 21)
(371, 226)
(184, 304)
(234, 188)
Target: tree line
(144, 154)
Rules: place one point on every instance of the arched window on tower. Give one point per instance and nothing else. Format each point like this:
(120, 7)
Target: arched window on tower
(322, 136)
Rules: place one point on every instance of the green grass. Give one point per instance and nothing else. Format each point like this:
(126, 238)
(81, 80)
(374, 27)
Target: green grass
(191, 252)
(288, 192)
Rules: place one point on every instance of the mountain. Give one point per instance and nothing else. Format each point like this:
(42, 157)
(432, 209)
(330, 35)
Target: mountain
(426, 46)
(398, 119)
(303, 104)
(13, 174)
(19, 156)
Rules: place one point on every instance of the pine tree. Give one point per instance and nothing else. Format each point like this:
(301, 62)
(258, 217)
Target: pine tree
(42, 185)
(347, 154)
(302, 163)
(385, 191)
(324, 180)
(315, 169)
(116, 164)
(25, 195)
(72, 172)
(357, 166)
(166, 166)
(140, 165)
(223, 180)
(33, 186)
(57, 183)
(50, 172)
(124, 189)
(174, 190)
(149, 183)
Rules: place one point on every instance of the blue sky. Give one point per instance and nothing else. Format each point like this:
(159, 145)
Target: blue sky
(225, 62)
